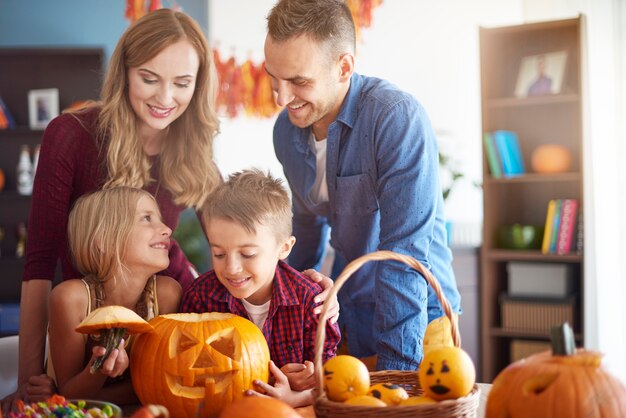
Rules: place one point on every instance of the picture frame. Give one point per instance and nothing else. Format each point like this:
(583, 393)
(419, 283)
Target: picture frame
(541, 74)
(43, 106)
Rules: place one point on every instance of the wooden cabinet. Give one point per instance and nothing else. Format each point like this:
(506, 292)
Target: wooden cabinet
(542, 119)
(76, 73)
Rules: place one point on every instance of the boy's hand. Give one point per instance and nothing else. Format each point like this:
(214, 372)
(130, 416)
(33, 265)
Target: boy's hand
(281, 390)
(326, 283)
(300, 376)
(115, 364)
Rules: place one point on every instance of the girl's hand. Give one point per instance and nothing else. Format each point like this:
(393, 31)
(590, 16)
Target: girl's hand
(281, 390)
(326, 283)
(115, 364)
(300, 376)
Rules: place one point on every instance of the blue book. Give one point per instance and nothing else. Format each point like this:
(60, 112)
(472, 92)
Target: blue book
(5, 110)
(500, 138)
(516, 153)
(510, 153)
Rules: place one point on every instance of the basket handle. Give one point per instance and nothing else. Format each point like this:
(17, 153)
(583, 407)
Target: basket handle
(343, 277)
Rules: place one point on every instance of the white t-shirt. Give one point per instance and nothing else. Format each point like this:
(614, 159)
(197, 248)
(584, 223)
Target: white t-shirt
(319, 192)
(257, 313)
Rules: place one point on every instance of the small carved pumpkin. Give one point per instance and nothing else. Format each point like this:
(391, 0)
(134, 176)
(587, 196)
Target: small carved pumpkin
(446, 373)
(189, 359)
(569, 383)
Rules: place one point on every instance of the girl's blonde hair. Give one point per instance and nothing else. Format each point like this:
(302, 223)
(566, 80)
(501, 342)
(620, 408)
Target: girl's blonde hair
(99, 227)
(186, 162)
(251, 198)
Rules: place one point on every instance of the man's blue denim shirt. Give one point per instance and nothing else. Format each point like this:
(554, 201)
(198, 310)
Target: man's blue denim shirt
(382, 171)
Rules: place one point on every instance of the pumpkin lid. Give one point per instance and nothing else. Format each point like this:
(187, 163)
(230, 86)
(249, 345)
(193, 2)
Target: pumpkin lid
(113, 316)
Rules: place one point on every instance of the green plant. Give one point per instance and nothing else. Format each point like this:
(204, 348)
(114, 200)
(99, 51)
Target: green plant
(450, 174)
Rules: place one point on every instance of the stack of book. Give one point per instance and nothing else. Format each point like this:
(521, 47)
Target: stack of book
(6, 119)
(504, 156)
(560, 234)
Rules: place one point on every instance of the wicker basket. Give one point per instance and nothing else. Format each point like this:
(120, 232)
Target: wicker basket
(465, 407)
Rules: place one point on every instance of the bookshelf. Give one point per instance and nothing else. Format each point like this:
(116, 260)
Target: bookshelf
(77, 73)
(554, 118)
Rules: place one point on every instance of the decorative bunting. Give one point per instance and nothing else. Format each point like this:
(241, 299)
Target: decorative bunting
(245, 87)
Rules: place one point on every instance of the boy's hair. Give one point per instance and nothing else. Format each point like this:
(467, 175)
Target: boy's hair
(251, 198)
(326, 21)
(98, 229)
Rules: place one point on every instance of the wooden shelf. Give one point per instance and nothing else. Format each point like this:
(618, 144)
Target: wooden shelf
(535, 178)
(537, 120)
(505, 102)
(76, 73)
(522, 255)
(527, 334)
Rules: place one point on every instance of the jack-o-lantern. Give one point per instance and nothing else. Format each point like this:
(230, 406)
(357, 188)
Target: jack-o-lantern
(563, 383)
(446, 373)
(189, 359)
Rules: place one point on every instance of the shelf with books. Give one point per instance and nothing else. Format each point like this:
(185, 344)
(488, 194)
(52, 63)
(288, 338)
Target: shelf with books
(536, 178)
(551, 118)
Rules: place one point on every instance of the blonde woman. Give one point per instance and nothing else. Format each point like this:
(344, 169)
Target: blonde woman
(153, 128)
(118, 242)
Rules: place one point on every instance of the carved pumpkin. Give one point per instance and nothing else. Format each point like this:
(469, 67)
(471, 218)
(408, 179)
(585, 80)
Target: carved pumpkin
(569, 383)
(190, 358)
(446, 373)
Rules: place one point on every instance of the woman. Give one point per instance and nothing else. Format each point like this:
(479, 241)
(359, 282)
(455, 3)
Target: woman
(153, 128)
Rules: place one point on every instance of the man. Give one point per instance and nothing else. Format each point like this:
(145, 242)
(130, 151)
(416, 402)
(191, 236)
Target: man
(361, 159)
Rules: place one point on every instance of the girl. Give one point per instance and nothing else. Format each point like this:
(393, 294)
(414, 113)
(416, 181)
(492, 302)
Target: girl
(118, 242)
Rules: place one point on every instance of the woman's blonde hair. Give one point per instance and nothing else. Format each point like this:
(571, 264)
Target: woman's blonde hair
(187, 168)
(251, 198)
(99, 227)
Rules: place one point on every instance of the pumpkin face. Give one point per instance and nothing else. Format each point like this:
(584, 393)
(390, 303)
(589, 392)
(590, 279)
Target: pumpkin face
(190, 359)
(573, 386)
(446, 373)
(389, 393)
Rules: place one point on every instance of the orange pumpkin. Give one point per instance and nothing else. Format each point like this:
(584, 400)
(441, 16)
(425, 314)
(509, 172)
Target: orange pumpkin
(189, 359)
(257, 407)
(446, 373)
(569, 383)
(551, 158)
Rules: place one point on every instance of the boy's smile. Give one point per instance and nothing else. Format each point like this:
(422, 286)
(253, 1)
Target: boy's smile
(245, 262)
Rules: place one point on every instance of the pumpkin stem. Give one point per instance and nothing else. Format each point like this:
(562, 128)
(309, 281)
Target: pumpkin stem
(562, 339)
(111, 339)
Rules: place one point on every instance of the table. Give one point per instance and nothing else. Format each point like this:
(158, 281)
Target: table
(308, 412)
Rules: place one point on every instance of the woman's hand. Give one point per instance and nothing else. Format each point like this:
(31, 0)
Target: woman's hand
(281, 390)
(115, 364)
(37, 389)
(300, 376)
(326, 283)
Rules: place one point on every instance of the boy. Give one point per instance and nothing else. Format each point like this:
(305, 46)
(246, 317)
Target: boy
(247, 221)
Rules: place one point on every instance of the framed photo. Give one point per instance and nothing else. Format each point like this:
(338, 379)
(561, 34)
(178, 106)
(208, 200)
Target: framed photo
(541, 74)
(43, 106)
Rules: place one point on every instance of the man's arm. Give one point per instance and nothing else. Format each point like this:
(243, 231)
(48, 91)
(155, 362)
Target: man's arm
(407, 187)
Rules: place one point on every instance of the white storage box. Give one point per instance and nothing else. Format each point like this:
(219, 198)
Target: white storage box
(540, 279)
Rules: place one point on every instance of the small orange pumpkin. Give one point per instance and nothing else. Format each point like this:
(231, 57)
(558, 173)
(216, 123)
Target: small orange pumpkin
(446, 373)
(257, 407)
(193, 359)
(566, 383)
(551, 158)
